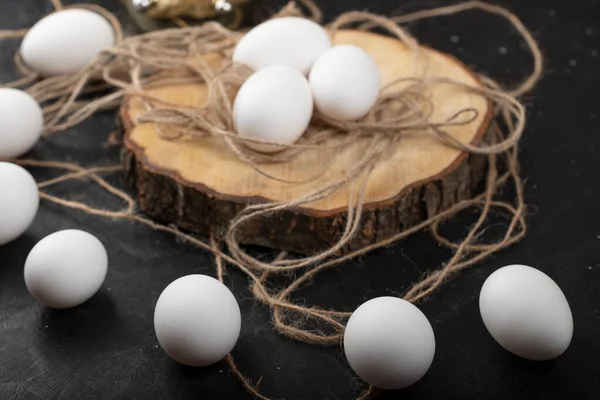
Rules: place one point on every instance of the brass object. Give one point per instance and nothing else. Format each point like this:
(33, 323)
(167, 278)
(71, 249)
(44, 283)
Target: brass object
(150, 15)
(196, 9)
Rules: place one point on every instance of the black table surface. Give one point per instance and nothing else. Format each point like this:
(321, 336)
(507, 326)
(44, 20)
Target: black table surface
(106, 348)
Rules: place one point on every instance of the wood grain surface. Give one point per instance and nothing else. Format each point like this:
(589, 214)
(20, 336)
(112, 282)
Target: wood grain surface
(200, 184)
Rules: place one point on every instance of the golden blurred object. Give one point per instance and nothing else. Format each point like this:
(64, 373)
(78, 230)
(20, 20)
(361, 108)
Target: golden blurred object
(151, 15)
(197, 9)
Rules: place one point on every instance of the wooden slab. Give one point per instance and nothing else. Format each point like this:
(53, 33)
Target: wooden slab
(200, 185)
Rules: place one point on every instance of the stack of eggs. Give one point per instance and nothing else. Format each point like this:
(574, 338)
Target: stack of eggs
(296, 70)
(68, 267)
(390, 343)
(61, 43)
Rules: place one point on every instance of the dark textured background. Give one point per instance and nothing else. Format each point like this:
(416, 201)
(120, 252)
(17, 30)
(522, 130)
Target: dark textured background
(106, 348)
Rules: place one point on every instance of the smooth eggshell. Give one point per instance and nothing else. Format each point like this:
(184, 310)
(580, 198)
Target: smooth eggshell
(389, 343)
(273, 105)
(66, 41)
(66, 268)
(19, 201)
(526, 312)
(197, 320)
(291, 41)
(21, 122)
(345, 83)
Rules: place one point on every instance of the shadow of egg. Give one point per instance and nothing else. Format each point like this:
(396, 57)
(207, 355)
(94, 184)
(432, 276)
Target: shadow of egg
(90, 326)
(13, 255)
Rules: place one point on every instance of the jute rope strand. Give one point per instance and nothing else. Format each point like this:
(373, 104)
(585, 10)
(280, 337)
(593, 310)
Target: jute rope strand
(183, 55)
(12, 34)
(57, 4)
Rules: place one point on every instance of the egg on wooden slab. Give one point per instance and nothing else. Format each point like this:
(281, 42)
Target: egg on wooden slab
(21, 122)
(291, 41)
(345, 83)
(526, 312)
(19, 201)
(65, 268)
(197, 320)
(274, 105)
(66, 41)
(389, 343)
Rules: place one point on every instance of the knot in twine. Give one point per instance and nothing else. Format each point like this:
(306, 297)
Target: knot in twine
(201, 54)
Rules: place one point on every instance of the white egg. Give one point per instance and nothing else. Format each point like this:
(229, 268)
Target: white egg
(197, 320)
(389, 343)
(21, 122)
(66, 268)
(273, 105)
(66, 41)
(345, 83)
(19, 201)
(526, 312)
(291, 41)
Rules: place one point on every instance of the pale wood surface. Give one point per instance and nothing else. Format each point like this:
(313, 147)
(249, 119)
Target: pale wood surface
(199, 185)
(208, 164)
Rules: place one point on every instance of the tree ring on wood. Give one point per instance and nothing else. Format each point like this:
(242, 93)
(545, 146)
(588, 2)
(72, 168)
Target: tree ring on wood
(199, 185)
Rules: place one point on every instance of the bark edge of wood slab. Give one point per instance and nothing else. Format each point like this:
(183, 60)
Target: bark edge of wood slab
(200, 186)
